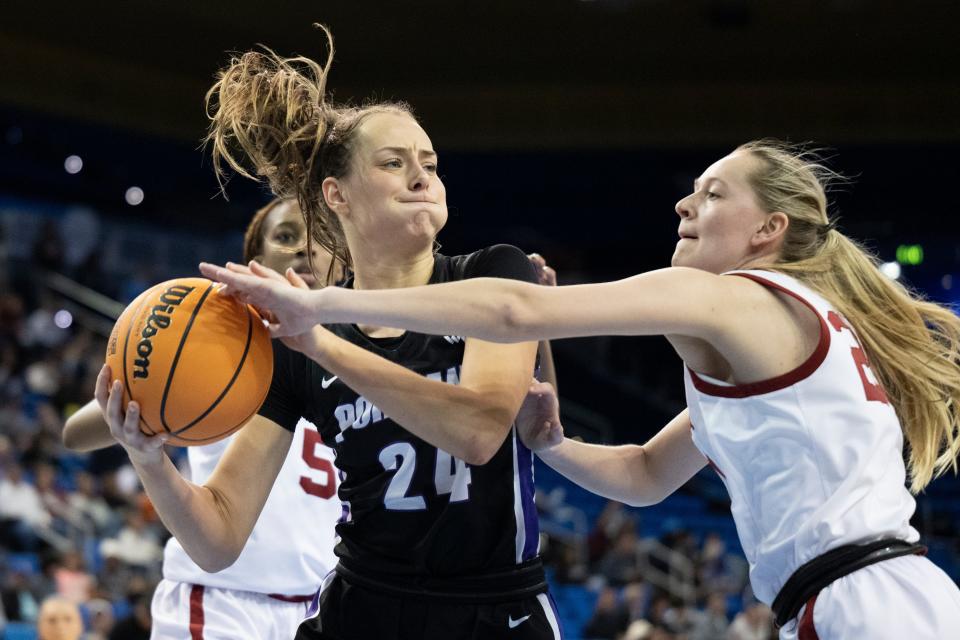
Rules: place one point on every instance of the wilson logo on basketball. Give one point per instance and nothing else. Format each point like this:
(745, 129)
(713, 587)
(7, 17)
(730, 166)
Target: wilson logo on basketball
(159, 319)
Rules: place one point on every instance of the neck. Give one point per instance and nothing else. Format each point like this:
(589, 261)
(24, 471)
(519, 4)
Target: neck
(392, 272)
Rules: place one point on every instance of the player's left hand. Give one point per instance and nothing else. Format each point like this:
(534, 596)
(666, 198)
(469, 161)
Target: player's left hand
(284, 301)
(538, 421)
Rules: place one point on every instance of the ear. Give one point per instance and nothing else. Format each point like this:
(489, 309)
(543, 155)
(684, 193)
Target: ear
(334, 196)
(773, 231)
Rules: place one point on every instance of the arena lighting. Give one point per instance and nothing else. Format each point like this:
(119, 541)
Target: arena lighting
(134, 196)
(911, 254)
(73, 164)
(891, 270)
(63, 319)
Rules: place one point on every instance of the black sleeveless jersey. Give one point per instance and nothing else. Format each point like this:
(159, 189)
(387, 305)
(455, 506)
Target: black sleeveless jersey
(416, 519)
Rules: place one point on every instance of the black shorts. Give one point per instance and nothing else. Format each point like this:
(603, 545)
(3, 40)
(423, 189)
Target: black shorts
(351, 612)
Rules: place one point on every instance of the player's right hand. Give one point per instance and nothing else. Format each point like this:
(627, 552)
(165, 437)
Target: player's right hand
(538, 421)
(125, 424)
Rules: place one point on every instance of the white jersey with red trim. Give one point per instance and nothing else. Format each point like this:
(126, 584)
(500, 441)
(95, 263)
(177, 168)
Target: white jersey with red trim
(291, 547)
(812, 459)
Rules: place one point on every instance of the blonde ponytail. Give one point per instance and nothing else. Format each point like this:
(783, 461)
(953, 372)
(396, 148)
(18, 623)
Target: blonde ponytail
(913, 345)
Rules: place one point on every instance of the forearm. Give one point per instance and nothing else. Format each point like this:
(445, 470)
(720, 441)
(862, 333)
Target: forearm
(469, 420)
(614, 472)
(192, 513)
(633, 474)
(485, 308)
(87, 430)
(680, 301)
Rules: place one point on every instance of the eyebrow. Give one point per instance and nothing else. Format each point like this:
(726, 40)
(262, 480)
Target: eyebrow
(429, 152)
(696, 183)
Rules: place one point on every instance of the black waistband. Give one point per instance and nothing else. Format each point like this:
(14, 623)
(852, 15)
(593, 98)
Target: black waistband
(513, 583)
(810, 578)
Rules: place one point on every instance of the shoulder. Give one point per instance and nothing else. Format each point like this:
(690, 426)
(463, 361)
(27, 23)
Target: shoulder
(497, 261)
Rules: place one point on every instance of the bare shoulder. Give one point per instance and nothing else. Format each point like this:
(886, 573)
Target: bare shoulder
(768, 332)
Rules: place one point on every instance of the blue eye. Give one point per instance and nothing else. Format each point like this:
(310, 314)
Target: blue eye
(430, 168)
(393, 164)
(712, 195)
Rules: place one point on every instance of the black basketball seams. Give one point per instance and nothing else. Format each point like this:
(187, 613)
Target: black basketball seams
(176, 357)
(236, 374)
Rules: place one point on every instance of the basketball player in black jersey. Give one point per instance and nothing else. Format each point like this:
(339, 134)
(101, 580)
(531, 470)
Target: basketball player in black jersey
(440, 535)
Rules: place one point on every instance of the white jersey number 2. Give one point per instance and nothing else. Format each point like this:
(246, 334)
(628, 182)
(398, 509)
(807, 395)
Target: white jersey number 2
(451, 476)
(871, 387)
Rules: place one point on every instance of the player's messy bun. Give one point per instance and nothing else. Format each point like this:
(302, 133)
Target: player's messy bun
(270, 119)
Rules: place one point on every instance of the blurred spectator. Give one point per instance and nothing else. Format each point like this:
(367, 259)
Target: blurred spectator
(115, 578)
(67, 520)
(22, 514)
(713, 624)
(72, 579)
(754, 623)
(59, 619)
(101, 620)
(136, 626)
(12, 314)
(42, 377)
(681, 618)
(636, 598)
(82, 226)
(41, 330)
(48, 247)
(609, 523)
(20, 601)
(136, 544)
(621, 564)
(638, 630)
(609, 620)
(88, 502)
(659, 606)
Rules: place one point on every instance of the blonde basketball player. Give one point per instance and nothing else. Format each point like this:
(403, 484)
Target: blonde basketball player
(267, 592)
(805, 370)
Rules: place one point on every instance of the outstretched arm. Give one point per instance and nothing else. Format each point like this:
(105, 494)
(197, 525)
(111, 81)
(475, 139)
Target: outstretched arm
(469, 420)
(638, 475)
(677, 300)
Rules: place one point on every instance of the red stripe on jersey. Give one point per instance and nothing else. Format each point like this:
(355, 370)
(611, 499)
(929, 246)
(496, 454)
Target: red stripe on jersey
(283, 598)
(806, 630)
(196, 612)
(779, 382)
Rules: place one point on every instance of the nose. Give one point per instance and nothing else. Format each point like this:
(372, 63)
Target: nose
(420, 179)
(684, 206)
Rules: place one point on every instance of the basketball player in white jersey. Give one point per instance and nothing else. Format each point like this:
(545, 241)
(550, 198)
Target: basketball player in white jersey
(805, 370)
(265, 594)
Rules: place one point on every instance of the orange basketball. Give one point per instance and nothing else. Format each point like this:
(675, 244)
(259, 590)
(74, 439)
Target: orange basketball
(198, 362)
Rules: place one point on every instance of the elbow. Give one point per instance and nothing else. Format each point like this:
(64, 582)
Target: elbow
(217, 561)
(645, 491)
(515, 321)
(486, 440)
(70, 438)
(643, 500)
(479, 451)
